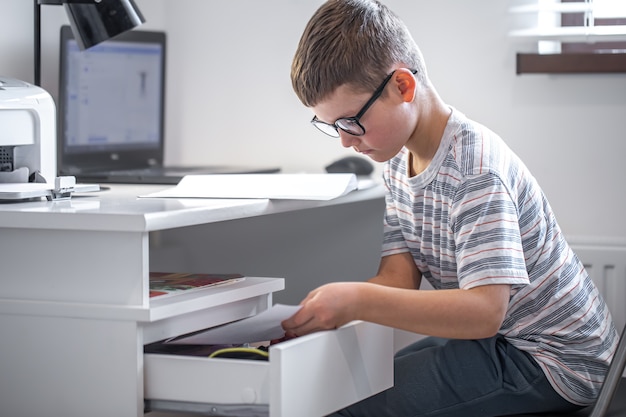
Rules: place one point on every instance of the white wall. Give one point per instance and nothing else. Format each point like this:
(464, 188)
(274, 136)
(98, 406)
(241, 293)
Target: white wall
(230, 98)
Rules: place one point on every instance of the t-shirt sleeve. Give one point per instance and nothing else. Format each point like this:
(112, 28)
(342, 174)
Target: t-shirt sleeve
(488, 241)
(393, 239)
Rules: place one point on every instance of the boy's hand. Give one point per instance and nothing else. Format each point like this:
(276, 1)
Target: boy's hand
(327, 307)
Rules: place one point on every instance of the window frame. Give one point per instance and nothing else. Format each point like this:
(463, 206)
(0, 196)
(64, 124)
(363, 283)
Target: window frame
(578, 57)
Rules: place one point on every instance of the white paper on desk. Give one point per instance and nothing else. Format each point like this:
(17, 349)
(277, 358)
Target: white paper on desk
(263, 327)
(272, 186)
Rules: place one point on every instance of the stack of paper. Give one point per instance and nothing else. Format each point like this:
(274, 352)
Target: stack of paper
(262, 327)
(272, 186)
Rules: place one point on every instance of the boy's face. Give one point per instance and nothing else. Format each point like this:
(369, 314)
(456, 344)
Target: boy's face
(387, 122)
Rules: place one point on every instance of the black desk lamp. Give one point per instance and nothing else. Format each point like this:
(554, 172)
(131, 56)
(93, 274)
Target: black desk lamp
(92, 22)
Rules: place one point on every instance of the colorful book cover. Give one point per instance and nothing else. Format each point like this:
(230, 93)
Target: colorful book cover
(171, 283)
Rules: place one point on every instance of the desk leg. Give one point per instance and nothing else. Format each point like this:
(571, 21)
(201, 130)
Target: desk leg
(51, 366)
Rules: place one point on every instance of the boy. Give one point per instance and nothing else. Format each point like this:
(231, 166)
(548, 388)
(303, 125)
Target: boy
(515, 323)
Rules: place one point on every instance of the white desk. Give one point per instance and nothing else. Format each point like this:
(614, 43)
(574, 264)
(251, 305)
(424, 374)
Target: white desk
(75, 311)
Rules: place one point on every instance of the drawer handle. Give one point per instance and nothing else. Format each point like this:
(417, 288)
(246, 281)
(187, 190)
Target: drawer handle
(248, 396)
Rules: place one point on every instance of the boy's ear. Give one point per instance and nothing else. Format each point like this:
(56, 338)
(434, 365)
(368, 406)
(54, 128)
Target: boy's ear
(406, 84)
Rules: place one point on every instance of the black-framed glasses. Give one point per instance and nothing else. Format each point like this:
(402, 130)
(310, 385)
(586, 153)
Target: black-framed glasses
(352, 125)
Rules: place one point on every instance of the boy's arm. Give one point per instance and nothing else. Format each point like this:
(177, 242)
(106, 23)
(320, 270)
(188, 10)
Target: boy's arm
(398, 271)
(462, 314)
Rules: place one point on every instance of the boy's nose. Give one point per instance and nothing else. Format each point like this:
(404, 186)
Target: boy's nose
(348, 140)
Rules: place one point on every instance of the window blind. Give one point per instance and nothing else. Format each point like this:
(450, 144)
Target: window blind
(541, 20)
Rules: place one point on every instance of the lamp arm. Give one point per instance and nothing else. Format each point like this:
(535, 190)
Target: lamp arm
(37, 42)
(37, 31)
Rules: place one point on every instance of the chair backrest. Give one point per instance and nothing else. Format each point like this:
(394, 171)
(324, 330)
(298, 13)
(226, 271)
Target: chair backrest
(612, 379)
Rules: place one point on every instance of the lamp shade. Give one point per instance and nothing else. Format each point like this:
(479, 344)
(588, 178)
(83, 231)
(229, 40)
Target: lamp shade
(98, 21)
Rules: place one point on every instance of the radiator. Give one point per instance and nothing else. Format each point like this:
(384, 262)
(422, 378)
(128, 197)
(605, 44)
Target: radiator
(605, 262)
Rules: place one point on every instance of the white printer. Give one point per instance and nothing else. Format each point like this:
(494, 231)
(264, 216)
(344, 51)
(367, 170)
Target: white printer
(28, 145)
(27, 132)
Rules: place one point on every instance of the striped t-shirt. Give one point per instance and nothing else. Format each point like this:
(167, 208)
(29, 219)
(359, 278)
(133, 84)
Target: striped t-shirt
(477, 216)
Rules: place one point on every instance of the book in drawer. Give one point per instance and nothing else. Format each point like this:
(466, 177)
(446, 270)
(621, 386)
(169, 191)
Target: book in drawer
(310, 376)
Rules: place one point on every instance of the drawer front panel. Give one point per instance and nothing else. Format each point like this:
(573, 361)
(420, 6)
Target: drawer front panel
(324, 372)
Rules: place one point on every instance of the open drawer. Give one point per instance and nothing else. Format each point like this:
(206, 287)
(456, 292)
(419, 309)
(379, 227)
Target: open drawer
(310, 376)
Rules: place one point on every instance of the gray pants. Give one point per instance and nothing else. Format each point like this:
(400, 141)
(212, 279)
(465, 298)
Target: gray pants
(462, 378)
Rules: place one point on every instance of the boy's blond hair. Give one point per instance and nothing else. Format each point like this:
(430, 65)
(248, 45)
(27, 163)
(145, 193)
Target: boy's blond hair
(353, 42)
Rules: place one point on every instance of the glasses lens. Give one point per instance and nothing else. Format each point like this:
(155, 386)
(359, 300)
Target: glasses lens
(330, 130)
(351, 126)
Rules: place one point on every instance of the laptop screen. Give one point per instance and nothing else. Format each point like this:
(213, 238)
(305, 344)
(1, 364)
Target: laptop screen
(111, 102)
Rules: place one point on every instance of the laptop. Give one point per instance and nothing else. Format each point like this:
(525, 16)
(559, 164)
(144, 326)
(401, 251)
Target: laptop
(111, 112)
